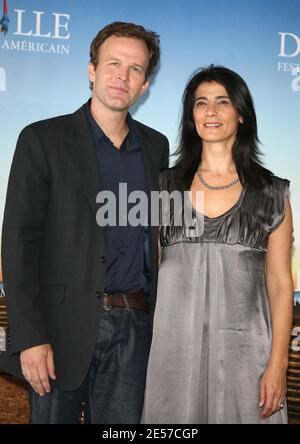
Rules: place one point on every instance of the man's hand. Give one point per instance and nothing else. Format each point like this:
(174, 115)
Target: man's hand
(37, 365)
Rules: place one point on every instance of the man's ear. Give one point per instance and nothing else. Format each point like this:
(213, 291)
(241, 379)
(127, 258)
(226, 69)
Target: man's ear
(145, 87)
(91, 72)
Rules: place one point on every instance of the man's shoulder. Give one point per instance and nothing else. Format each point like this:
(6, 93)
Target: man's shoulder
(52, 121)
(150, 132)
(53, 124)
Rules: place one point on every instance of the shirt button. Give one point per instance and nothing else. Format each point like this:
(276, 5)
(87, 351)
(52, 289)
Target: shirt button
(103, 259)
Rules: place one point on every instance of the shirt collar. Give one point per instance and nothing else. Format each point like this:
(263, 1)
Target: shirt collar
(131, 142)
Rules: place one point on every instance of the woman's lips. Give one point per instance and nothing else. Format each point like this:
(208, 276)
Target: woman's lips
(212, 125)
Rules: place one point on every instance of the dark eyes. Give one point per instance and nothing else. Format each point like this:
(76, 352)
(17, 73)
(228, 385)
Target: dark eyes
(134, 69)
(203, 104)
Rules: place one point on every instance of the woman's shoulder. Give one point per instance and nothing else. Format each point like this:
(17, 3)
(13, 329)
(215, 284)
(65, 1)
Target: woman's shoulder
(275, 190)
(278, 183)
(270, 187)
(267, 203)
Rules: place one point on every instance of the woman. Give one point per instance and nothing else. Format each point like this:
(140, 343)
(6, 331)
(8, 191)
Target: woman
(224, 309)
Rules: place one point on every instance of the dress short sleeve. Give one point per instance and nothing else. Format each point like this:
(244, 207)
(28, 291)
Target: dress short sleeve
(279, 193)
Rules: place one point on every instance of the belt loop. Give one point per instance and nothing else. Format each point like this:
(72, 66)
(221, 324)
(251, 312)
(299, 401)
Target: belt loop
(126, 302)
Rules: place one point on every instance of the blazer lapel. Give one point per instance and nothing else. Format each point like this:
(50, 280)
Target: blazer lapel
(151, 171)
(149, 161)
(84, 155)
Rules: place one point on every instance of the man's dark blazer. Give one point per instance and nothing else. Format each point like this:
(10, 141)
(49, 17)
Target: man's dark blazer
(53, 251)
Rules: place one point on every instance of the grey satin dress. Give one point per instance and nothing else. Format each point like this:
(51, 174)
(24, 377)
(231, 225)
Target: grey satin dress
(212, 327)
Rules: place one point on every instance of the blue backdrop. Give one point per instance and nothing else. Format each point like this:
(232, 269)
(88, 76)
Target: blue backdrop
(43, 72)
(44, 57)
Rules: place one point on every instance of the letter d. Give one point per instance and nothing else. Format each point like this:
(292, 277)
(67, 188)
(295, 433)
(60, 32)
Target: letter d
(283, 44)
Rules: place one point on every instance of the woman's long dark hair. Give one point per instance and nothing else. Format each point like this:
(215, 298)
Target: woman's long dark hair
(245, 151)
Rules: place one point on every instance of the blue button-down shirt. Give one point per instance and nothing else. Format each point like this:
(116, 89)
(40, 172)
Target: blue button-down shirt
(125, 254)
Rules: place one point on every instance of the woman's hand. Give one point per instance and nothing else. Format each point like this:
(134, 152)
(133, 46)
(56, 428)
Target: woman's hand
(272, 390)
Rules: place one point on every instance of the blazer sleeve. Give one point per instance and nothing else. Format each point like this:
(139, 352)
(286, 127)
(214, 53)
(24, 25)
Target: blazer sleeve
(27, 199)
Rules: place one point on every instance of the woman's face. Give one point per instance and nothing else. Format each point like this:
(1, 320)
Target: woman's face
(216, 119)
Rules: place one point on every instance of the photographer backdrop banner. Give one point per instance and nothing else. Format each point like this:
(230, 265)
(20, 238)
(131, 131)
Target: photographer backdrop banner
(44, 52)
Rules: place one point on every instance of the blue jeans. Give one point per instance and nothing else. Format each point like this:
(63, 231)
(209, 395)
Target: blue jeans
(113, 391)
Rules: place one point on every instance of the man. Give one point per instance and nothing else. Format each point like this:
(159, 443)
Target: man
(78, 294)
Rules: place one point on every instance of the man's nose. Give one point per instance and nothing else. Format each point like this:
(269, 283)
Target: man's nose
(123, 73)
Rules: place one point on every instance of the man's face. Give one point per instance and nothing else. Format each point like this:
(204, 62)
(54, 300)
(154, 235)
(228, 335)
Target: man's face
(120, 76)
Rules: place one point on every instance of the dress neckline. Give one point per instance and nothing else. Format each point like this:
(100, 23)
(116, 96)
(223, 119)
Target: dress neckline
(230, 210)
